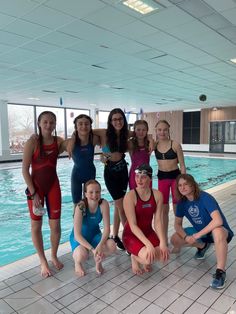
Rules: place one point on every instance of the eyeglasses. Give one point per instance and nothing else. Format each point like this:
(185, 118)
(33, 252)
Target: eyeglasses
(117, 119)
(143, 173)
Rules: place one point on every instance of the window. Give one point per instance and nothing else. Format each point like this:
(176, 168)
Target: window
(102, 119)
(191, 127)
(230, 132)
(20, 125)
(71, 114)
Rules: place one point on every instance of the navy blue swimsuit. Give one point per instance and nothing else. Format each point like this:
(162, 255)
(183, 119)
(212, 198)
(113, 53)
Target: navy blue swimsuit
(83, 169)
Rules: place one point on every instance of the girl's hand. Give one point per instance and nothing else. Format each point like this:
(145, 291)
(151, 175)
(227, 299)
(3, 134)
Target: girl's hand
(151, 253)
(190, 239)
(105, 158)
(165, 253)
(36, 200)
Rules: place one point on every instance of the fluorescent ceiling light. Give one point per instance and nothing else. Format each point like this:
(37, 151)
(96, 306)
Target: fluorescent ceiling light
(140, 6)
(33, 98)
(233, 60)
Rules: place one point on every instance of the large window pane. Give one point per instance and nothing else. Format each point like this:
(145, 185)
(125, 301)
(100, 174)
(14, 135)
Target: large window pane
(71, 114)
(21, 126)
(230, 132)
(131, 117)
(59, 112)
(102, 119)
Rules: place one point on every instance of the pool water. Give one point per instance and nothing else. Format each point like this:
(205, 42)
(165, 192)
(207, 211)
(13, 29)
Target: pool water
(15, 231)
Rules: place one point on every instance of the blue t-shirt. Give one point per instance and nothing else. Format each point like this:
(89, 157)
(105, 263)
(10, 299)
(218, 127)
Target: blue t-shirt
(198, 212)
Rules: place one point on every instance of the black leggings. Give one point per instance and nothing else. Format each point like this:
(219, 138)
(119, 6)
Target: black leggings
(116, 178)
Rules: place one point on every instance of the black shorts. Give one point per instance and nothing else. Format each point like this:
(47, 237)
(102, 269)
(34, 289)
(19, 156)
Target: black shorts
(116, 178)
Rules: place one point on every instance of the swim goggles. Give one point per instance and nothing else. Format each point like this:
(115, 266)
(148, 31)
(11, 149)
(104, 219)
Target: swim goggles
(143, 173)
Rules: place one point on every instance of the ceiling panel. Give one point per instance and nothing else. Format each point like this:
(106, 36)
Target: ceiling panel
(48, 17)
(76, 8)
(102, 52)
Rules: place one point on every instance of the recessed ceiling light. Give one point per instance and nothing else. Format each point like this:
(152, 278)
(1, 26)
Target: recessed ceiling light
(233, 60)
(142, 7)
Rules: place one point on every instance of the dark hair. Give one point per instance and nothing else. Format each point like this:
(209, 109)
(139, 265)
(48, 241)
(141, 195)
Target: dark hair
(81, 116)
(117, 143)
(83, 204)
(134, 139)
(41, 151)
(147, 168)
(191, 181)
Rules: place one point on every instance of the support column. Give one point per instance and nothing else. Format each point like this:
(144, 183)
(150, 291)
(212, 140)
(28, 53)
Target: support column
(4, 131)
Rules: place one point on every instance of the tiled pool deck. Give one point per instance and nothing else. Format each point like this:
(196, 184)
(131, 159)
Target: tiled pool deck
(179, 286)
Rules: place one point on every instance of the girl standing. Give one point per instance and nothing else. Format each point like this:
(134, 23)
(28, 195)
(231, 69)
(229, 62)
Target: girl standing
(82, 155)
(169, 157)
(41, 152)
(138, 147)
(114, 145)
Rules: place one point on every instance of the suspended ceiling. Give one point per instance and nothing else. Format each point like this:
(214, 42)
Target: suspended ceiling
(102, 54)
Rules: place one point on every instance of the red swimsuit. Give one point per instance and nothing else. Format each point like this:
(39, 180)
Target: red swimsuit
(45, 180)
(144, 211)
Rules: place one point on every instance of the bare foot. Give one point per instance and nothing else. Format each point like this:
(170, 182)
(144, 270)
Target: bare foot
(135, 266)
(99, 268)
(79, 270)
(45, 271)
(175, 250)
(147, 268)
(57, 264)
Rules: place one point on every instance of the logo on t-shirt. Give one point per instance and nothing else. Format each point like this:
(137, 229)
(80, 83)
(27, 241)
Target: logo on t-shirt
(194, 213)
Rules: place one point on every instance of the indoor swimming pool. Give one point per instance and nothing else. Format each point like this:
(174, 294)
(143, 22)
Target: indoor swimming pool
(15, 232)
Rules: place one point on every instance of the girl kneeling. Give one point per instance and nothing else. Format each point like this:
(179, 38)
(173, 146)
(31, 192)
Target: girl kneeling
(143, 204)
(86, 235)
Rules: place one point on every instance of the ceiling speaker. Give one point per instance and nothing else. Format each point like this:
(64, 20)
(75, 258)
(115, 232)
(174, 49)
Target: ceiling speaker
(202, 97)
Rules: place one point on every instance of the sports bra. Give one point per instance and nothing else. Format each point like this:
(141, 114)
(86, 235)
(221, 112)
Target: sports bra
(170, 154)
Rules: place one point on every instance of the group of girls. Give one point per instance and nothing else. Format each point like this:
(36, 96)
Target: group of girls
(41, 154)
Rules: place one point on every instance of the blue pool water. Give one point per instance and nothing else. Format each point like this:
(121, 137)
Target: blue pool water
(15, 232)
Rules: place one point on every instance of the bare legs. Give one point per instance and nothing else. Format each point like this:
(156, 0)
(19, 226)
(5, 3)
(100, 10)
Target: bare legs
(141, 260)
(37, 238)
(220, 235)
(119, 215)
(81, 254)
(55, 236)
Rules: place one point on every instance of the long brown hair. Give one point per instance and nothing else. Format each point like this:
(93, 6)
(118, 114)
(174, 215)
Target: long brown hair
(41, 151)
(191, 182)
(134, 139)
(117, 143)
